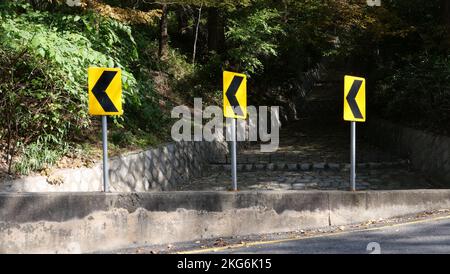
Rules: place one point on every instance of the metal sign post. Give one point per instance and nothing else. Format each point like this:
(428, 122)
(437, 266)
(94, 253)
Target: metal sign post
(105, 99)
(353, 156)
(354, 111)
(233, 154)
(234, 107)
(105, 154)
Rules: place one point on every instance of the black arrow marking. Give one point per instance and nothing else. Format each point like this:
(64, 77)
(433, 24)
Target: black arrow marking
(99, 91)
(231, 94)
(351, 99)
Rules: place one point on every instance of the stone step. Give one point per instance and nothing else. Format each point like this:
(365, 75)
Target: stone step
(297, 158)
(283, 166)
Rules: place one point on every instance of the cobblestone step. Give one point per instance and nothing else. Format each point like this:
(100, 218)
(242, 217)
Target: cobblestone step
(328, 179)
(286, 166)
(297, 158)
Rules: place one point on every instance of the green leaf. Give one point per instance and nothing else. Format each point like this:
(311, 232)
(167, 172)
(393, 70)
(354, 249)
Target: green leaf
(41, 52)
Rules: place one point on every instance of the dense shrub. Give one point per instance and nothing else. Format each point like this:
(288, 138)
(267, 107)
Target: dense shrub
(72, 43)
(35, 106)
(43, 66)
(417, 93)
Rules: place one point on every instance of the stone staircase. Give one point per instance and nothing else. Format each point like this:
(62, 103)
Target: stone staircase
(314, 152)
(318, 141)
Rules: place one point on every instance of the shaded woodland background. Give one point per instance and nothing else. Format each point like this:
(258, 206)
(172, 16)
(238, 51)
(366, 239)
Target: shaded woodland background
(173, 51)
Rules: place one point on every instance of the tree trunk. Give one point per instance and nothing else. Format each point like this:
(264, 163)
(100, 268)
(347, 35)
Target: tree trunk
(196, 34)
(164, 36)
(216, 32)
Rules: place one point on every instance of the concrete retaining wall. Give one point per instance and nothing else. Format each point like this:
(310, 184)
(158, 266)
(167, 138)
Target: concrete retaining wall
(88, 222)
(428, 153)
(152, 170)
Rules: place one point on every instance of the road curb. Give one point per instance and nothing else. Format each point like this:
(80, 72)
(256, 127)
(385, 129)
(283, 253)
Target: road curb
(89, 222)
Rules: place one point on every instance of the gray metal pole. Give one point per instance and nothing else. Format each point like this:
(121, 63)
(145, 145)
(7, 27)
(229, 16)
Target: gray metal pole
(353, 156)
(105, 154)
(233, 154)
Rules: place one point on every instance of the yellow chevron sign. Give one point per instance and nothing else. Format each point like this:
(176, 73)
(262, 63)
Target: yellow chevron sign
(234, 95)
(354, 99)
(105, 91)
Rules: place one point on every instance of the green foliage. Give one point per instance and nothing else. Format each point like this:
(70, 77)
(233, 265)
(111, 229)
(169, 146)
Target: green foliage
(252, 38)
(72, 51)
(203, 81)
(34, 104)
(138, 139)
(122, 138)
(37, 156)
(417, 93)
(44, 60)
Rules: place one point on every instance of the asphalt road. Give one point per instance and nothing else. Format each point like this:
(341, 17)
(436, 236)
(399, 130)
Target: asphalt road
(425, 236)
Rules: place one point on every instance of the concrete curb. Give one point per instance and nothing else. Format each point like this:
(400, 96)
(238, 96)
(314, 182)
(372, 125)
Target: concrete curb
(87, 222)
